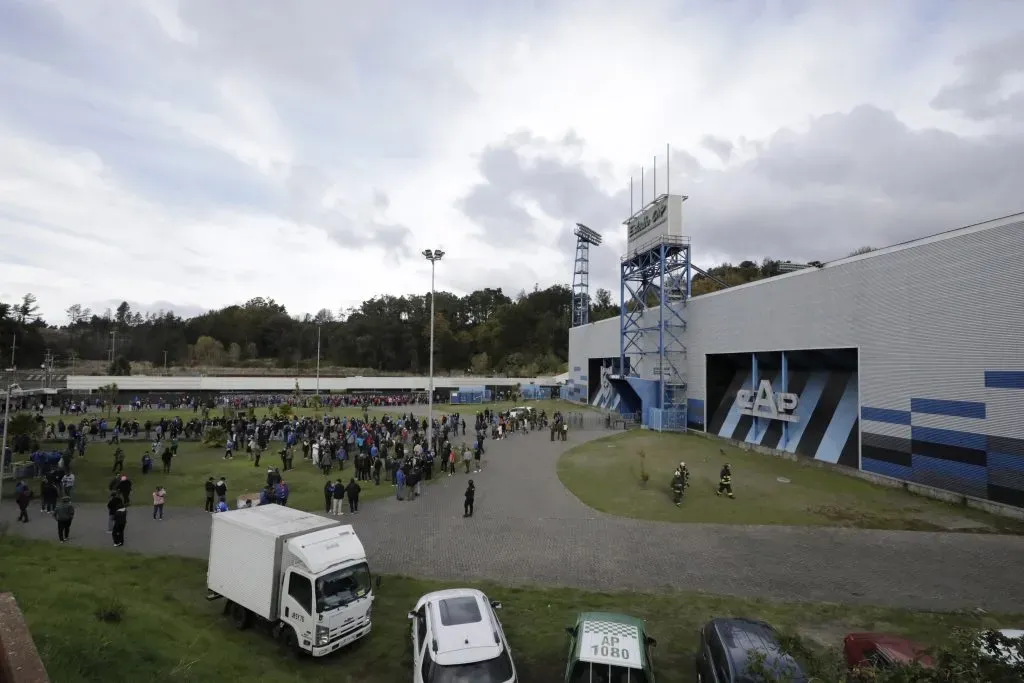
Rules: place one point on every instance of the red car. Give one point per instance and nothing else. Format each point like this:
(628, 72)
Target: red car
(883, 651)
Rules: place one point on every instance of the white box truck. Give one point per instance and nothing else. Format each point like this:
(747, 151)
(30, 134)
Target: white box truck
(302, 575)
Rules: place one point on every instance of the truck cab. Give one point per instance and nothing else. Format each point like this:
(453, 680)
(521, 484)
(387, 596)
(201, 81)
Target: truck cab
(609, 648)
(327, 594)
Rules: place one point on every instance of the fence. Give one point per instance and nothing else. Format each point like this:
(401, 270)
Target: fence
(463, 397)
(666, 420)
(592, 420)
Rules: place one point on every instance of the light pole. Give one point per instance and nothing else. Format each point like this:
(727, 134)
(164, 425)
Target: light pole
(432, 255)
(318, 360)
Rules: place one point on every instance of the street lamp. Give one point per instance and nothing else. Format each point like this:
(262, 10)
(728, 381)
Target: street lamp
(432, 255)
(318, 325)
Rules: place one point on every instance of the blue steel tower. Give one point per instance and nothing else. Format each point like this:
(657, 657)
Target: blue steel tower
(655, 287)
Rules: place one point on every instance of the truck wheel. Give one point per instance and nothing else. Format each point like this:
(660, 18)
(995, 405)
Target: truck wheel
(290, 642)
(240, 617)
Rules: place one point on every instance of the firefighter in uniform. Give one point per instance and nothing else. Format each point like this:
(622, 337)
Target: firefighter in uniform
(680, 480)
(725, 481)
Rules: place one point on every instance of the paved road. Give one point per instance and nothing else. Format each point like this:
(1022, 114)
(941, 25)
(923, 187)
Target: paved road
(529, 529)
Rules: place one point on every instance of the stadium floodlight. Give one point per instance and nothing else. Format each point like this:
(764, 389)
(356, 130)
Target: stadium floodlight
(587, 235)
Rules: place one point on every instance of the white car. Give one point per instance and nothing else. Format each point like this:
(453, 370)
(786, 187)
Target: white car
(457, 638)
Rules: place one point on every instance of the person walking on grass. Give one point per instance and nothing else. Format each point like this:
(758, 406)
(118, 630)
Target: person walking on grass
(159, 497)
(65, 514)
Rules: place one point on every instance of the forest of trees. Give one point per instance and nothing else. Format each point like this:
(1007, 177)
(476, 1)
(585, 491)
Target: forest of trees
(486, 331)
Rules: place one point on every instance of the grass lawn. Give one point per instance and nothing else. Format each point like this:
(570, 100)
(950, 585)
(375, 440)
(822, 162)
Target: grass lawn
(169, 633)
(605, 474)
(190, 470)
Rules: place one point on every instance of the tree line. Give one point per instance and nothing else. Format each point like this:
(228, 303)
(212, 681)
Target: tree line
(486, 331)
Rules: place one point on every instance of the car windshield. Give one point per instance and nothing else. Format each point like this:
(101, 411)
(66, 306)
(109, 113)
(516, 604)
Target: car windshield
(587, 672)
(497, 670)
(342, 587)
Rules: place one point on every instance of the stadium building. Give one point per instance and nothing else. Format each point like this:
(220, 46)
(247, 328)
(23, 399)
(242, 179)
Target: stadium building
(906, 361)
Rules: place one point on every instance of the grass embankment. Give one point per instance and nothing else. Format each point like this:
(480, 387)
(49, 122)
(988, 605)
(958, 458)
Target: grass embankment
(605, 474)
(105, 617)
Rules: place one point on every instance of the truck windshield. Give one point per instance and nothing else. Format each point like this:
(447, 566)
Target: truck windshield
(585, 672)
(342, 587)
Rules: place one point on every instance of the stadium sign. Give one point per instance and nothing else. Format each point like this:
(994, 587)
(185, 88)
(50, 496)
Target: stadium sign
(661, 218)
(766, 403)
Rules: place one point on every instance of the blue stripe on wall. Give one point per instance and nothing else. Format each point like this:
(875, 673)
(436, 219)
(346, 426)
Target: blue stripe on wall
(805, 408)
(733, 416)
(759, 427)
(695, 410)
(886, 469)
(892, 417)
(948, 437)
(1005, 461)
(1004, 379)
(831, 446)
(936, 406)
(948, 469)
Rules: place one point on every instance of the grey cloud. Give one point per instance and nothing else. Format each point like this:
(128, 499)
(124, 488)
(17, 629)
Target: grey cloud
(978, 92)
(851, 179)
(362, 226)
(566, 192)
(721, 147)
(563, 191)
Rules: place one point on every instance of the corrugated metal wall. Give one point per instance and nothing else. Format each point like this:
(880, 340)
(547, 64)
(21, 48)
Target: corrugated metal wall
(939, 324)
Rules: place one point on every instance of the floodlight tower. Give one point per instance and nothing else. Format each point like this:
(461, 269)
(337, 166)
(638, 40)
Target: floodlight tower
(581, 274)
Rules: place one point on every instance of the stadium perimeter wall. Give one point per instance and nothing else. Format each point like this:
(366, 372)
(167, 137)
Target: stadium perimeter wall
(287, 384)
(938, 328)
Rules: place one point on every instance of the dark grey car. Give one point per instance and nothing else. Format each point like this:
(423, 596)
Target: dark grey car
(728, 647)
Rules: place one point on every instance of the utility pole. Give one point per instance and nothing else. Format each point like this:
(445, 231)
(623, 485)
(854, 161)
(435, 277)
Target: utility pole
(48, 367)
(3, 445)
(165, 363)
(113, 345)
(73, 357)
(318, 361)
(14, 348)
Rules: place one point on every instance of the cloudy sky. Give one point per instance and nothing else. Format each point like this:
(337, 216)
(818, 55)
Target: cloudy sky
(196, 153)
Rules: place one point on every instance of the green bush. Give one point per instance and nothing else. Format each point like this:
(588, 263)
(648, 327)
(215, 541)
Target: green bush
(215, 437)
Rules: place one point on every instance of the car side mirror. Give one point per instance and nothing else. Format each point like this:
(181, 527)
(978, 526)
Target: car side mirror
(376, 582)
(653, 642)
(411, 615)
(496, 604)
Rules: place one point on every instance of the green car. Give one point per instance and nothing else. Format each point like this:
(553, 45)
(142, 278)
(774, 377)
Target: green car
(609, 648)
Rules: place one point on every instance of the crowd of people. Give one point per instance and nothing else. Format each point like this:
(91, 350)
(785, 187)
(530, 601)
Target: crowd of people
(402, 451)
